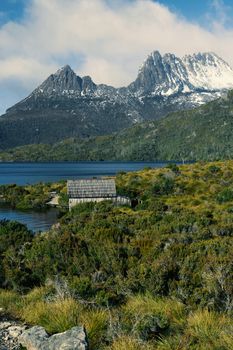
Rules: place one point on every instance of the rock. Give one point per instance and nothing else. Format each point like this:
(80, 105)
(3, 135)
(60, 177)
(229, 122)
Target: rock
(4, 325)
(36, 338)
(10, 330)
(16, 331)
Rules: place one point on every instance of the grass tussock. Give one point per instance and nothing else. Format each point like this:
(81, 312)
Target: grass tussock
(39, 294)
(10, 302)
(55, 317)
(173, 309)
(59, 315)
(149, 318)
(129, 343)
(210, 328)
(96, 324)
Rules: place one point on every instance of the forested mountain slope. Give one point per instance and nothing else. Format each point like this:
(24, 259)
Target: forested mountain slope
(204, 133)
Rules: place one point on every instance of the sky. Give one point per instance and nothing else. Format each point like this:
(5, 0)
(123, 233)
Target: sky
(106, 39)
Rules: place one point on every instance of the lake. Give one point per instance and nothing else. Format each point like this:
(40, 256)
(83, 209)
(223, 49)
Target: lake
(35, 220)
(30, 173)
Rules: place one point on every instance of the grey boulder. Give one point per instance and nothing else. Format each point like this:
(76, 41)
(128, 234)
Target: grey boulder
(36, 338)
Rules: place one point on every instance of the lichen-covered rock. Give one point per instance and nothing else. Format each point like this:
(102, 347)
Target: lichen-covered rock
(16, 331)
(9, 334)
(36, 338)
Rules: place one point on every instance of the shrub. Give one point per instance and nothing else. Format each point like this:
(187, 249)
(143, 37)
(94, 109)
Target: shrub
(163, 186)
(174, 168)
(13, 234)
(214, 169)
(225, 196)
(81, 287)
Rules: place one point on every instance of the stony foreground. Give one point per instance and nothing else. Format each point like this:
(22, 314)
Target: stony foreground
(9, 334)
(13, 335)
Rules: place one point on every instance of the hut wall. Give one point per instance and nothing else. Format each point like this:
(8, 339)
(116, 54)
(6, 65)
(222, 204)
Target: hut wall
(122, 200)
(117, 200)
(75, 201)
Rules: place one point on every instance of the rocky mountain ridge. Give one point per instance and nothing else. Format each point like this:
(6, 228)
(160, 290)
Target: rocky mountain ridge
(158, 76)
(168, 75)
(67, 105)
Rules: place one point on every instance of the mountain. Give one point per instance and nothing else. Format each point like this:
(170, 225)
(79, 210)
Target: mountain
(66, 105)
(203, 133)
(168, 75)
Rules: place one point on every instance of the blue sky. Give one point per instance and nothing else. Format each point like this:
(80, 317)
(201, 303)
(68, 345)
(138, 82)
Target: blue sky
(11, 10)
(106, 39)
(196, 10)
(193, 10)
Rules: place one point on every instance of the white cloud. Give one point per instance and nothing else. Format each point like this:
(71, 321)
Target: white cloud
(111, 40)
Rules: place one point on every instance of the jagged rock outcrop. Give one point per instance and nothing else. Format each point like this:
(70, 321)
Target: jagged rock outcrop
(64, 80)
(66, 105)
(168, 75)
(36, 338)
(160, 76)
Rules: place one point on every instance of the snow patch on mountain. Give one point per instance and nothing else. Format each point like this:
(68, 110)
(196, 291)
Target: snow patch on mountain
(208, 71)
(168, 75)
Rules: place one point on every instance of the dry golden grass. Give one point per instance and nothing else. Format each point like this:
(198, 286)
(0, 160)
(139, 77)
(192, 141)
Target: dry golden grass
(210, 330)
(10, 302)
(143, 304)
(129, 343)
(56, 316)
(96, 325)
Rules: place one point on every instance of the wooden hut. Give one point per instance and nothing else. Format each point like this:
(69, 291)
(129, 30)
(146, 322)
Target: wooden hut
(90, 190)
(93, 190)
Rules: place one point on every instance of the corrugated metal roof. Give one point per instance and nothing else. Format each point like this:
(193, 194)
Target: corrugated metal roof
(91, 188)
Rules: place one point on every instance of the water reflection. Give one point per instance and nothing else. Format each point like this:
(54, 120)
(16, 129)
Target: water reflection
(35, 220)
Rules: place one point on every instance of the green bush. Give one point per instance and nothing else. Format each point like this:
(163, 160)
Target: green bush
(163, 186)
(213, 169)
(225, 196)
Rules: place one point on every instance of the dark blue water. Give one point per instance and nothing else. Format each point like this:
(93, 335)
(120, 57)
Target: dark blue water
(35, 221)
(30, 173)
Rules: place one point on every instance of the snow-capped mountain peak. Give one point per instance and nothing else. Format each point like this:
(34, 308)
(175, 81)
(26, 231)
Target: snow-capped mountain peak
(66, 105)
(208, 71)
(164, 83)
(168, 75)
